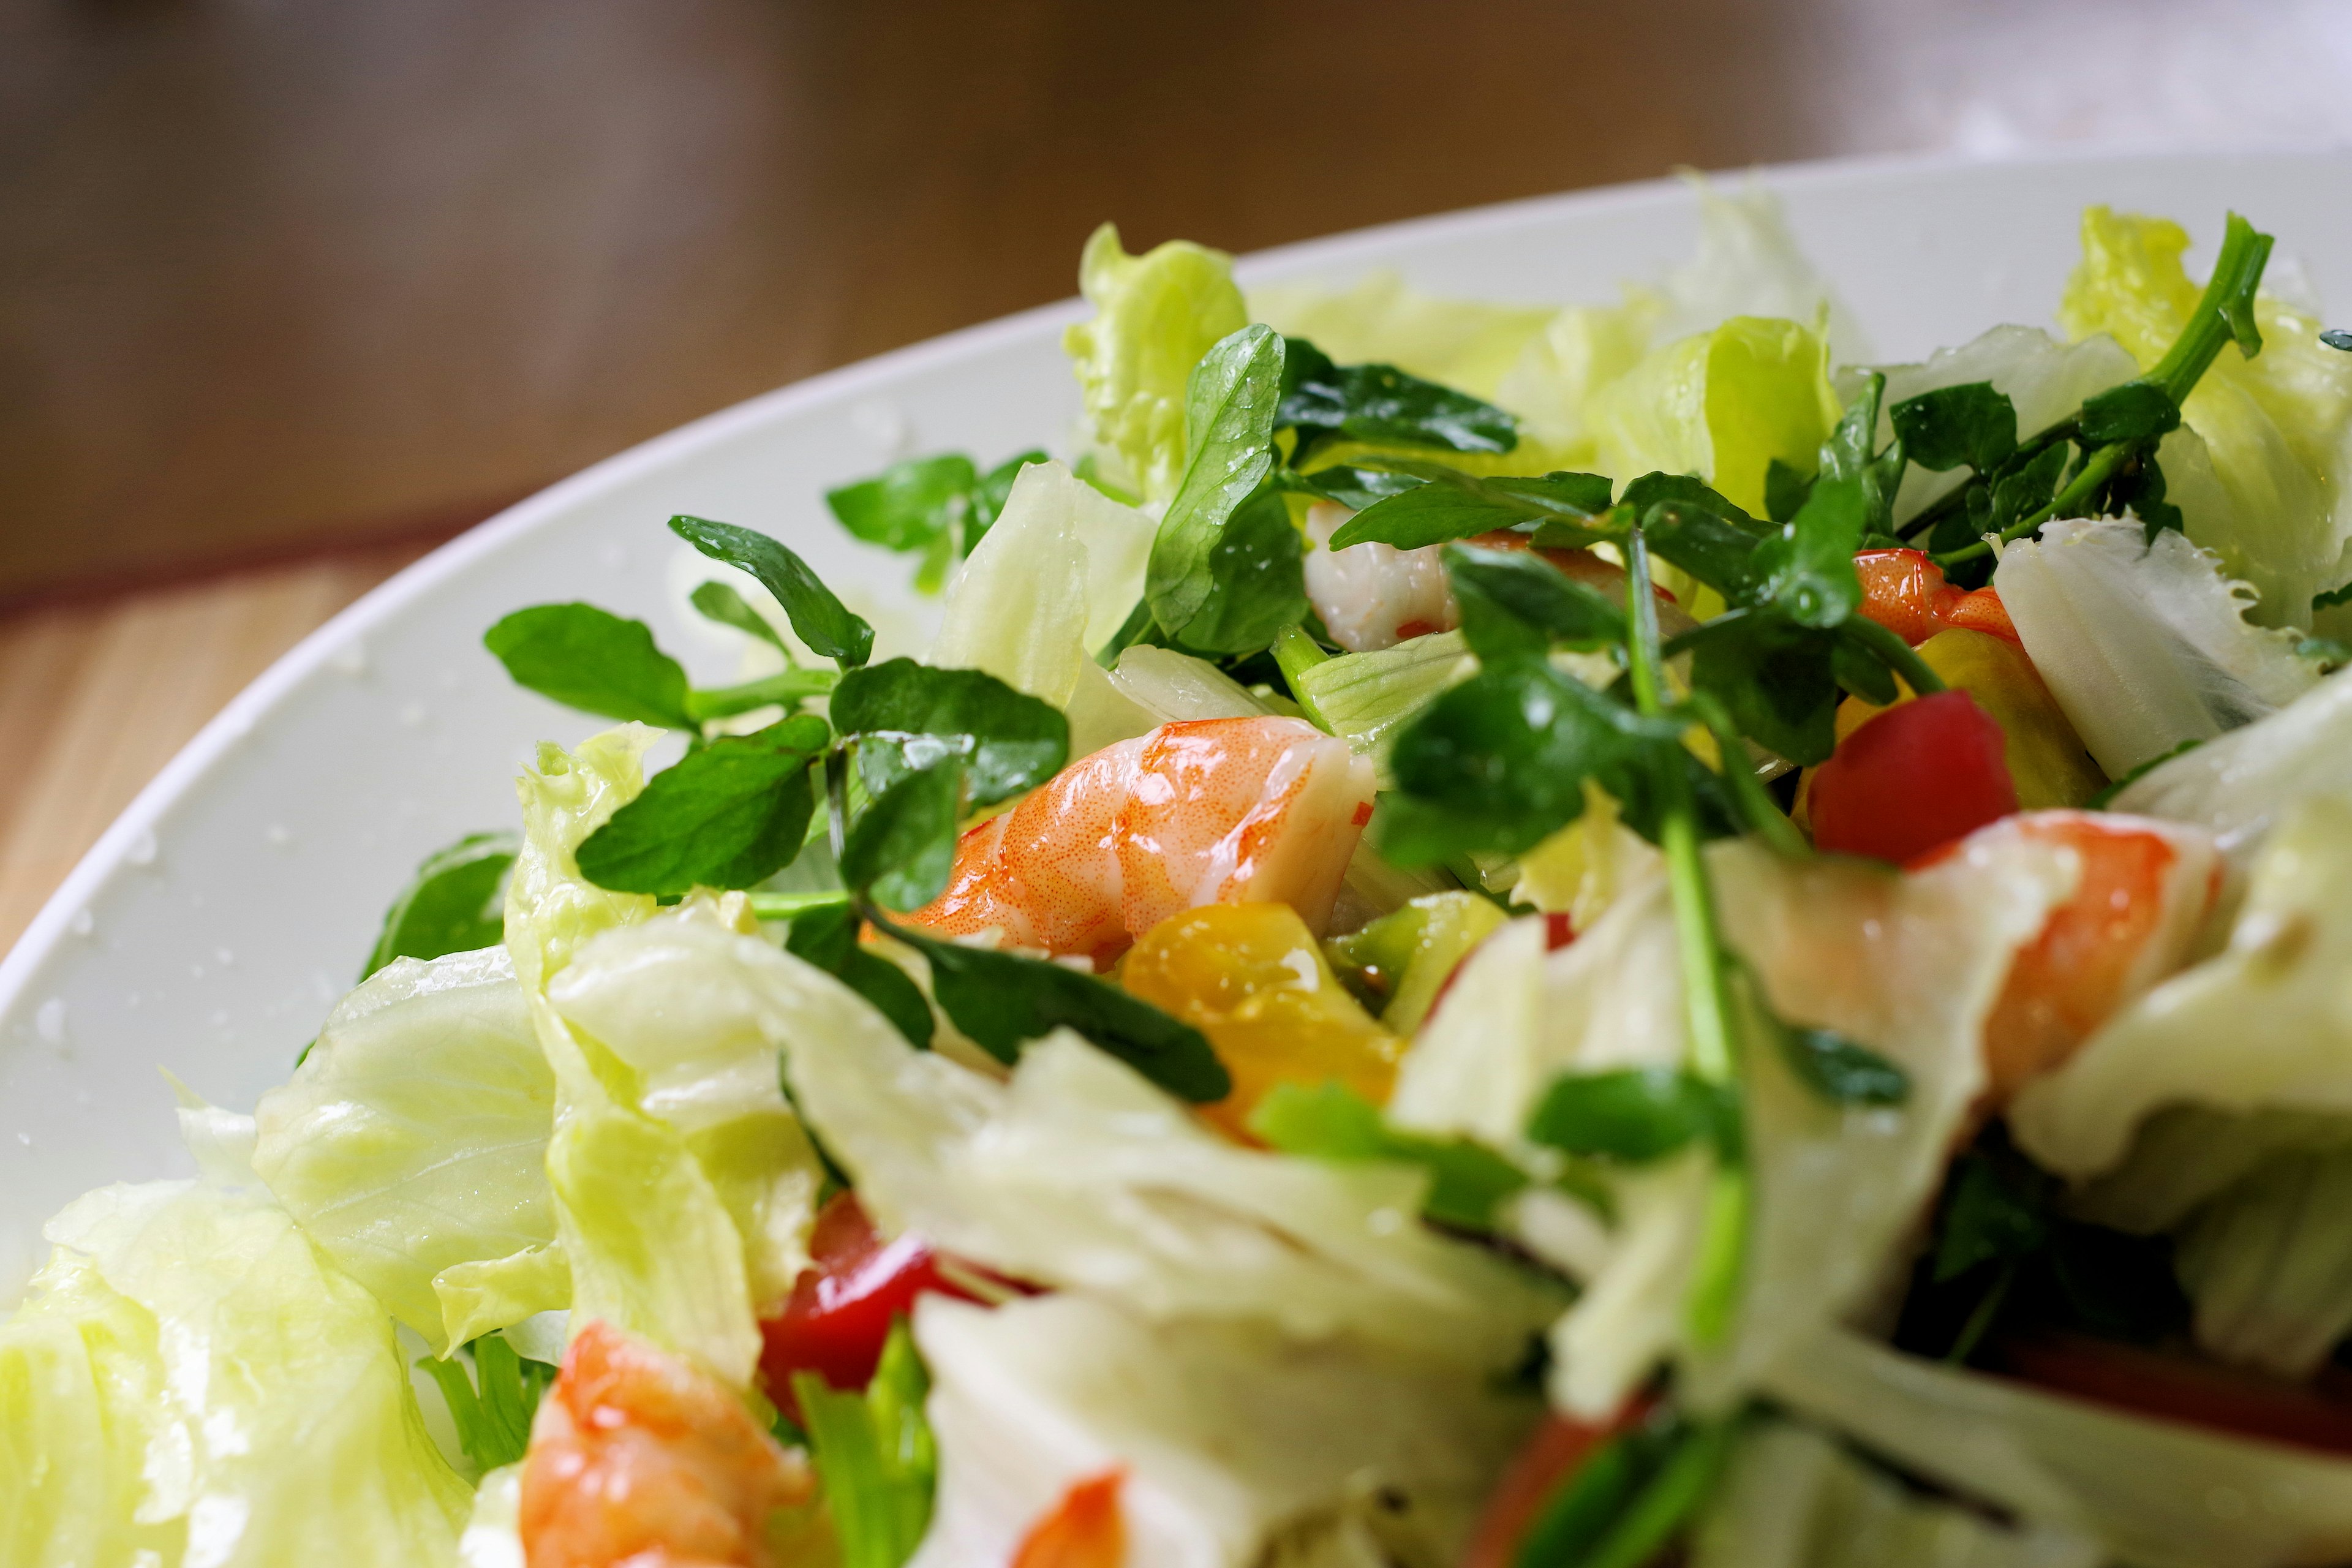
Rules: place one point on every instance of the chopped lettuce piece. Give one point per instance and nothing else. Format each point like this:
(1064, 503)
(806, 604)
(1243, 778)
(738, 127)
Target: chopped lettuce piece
(1238, 1446)
(1169, 685)
(2269, 1263)
(2164, 1493)
(204, 1385)
(2144, 642)
(1795, 1498)
(1413, 951)
(2277, 428)
(2241, 783)
(412, 1139)
(874, 1455)
(2265, 1024)
(1584, 868)
(552, 908)
(1723, 405)
(1365, 697)
(1905, 965)
(1382, 320)
(1156, 315)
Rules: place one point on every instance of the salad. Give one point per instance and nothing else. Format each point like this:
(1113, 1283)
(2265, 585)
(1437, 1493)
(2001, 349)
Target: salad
(1513, 937)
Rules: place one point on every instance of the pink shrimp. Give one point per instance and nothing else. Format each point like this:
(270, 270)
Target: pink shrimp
(2142, 896)
(638, 1458)
(1204, 811)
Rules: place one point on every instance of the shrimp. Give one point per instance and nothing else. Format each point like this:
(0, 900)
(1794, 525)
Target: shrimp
(1375, 595)
(1203, 811)
(1084, 1529)
(2144, 889)
(638, 1458)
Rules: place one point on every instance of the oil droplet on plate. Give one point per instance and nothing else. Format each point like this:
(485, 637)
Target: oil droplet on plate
(49, 1021)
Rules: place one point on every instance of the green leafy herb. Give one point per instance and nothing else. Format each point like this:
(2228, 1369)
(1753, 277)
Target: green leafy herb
(491, 1410)
(907, 715)
(875, 1455)
(1352, 487)
(1515, 604)
(1996, 1212)
(1455, 505)
(902, 845)
(1778, 681)
(1972, 425)
(2135, 411)
(717, 601)
(1806, 569)
(1230, 405)
(1257, 584)
(1383, 406)
(594, 660)
(452, 906)
(819, 619)
(826, 936)
(727, 814)
(1634, 1115)
(1785, 488)
(938, 506)
(1623, 1506)
(1840, 1070)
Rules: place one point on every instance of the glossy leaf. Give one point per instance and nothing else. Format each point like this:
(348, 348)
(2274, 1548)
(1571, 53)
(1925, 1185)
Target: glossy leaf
(717, 601)
(1455, 505)
(594, 660)
(454, 905)
(902, 845)
(909, 714)
(1634, 1114)
(729, 815)
(1256, 581)
(2135, 411)
(1382, 406)
(1516, 605)
(1972, 425)
(1807, 568)
(827, 937)
(1229, 417)
(818, 618)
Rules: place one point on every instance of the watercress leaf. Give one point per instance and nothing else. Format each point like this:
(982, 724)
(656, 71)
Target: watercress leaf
(1858, 670)
(493, 1419)
(2337, 338)
(1972, 425)
(594, 660)
(2138, 410)
(818, 618)
(1646, 494)
(827, 937)
(1455, 505)
(1332, 1122)
(1230, 406)
(1806, 569)
(1995, 1209)
(1515, 604)
(874, 1455)
(727, 814)
(453, 905)
(1631, 1114)
(1257, 584)
(1352, 487)
(2139, 484)
(1842, 1071)
(1497, 762)
(1784, 490)
(909, 504)
(1702, 543)
(902, 845)
(1003, 1000)
(1384, 405)
(1778, 681)
(2025, 489)
(1016, 741)
(717, 601)
(1847, 450)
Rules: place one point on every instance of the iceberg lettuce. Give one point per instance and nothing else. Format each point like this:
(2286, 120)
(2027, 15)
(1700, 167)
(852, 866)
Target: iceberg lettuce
(1156, 315)
(2269, 1263)
(2278, 428)
(193, 1382)
(1467, 344)
(1238, 1446)
(2144, 642)
(1365, 697)
(413, 1141)
(2241, 783)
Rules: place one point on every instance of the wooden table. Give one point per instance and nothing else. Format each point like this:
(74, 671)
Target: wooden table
(288, 292)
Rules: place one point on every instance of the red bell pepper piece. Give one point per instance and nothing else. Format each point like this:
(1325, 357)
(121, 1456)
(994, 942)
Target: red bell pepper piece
(1905, 592)
(842, 1305)
(1917, 776)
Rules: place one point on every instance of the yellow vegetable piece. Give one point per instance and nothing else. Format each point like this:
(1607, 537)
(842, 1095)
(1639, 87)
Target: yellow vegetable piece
(2046, 758)
(1251, 977)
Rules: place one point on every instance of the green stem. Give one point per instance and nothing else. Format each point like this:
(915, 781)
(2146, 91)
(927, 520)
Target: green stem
(1981, 1319)
(1757, 809)
(1296, 653)
(1138, 625)
(2097, 469)
(1955, 499)
(1894, 653)
(784, 905)
(1664, 1506)
(786, 686)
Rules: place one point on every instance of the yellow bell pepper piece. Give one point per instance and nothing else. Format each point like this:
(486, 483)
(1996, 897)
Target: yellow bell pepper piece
(1252, 978)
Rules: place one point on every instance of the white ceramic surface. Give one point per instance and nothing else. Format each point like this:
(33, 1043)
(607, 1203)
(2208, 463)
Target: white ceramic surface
(212, 927)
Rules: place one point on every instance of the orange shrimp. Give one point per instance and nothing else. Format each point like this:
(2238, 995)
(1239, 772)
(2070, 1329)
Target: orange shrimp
(638, 1458)
(1203, 811)
(2142, 894)
(1084, 1529)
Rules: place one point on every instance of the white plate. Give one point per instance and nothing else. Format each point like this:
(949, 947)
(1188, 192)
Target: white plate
(215, 923)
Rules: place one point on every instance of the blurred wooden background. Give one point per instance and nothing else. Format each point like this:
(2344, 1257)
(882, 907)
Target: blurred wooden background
(291, 290)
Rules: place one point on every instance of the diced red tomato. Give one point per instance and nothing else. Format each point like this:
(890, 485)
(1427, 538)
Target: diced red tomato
(1558, 932)
(841, 1308)
(1555, 1450)
(1905, 592)
(1084, 1529)
(2173, 1388)
(1915, 777)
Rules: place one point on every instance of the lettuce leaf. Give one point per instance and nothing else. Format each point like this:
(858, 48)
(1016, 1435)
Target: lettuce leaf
(2277, 428)
(2159, 1493)
(1381, 320)
(492, 1537)
(1906, 965)
(1794, 1497)
(1365, 697)
(1238, 1446)
(1156, 315)
(412, 1139)
(204, 1382)
(2269, 1263)
(2241, 783)
(2143, 641)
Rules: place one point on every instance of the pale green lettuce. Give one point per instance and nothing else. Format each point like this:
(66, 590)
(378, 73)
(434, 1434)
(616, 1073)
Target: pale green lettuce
(192, 1381)
(2241, 783)
(1381, 320)
(1365, 697)
(412, 1144)
(1156, 315)
(2278, 428)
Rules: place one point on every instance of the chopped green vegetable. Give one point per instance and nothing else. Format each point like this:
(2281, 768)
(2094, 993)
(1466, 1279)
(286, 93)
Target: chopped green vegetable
(492, 1409)
(729, 815)
(874, 1455)
(454, 905)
